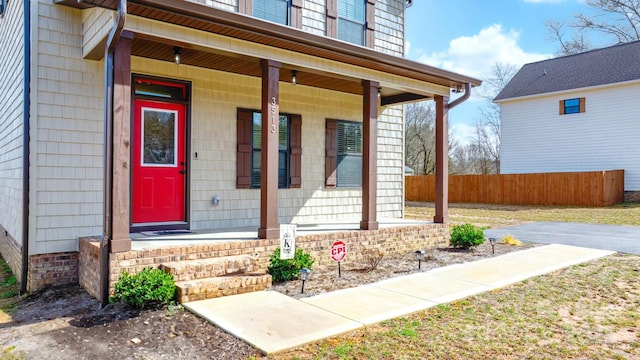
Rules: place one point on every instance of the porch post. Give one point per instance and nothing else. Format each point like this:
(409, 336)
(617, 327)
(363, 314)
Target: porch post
(442, 160)
(369, 155)
(120, 194)
(269, 153)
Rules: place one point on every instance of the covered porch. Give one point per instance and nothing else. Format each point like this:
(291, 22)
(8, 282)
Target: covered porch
(209, 38)
(238, 62)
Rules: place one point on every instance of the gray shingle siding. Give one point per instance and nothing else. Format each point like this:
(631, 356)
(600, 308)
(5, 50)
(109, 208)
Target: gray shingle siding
(614, 64)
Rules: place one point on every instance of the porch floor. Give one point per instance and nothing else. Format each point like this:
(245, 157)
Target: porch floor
(152, 240)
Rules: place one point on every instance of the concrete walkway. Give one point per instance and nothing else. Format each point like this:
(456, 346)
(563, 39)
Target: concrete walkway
(274, 322)
(620, 238)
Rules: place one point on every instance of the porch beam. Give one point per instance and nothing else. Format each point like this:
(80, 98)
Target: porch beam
(120, 194)
(369, 155)
(269, 153)
(442, 159)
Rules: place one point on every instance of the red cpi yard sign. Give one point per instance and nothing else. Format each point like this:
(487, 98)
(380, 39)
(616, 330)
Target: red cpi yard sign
(338, 251)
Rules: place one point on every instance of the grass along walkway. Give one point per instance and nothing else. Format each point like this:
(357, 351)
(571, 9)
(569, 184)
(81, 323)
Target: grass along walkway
(588, 311)
(504, 215)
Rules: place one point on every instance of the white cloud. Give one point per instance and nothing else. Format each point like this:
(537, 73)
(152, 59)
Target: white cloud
(462, 132)
(476, 55)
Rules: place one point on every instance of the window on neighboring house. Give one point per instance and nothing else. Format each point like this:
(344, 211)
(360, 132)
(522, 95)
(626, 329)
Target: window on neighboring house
(3, 6)
(572, 106)
(272, 10)
(249, 153)
(352, 21)
(343, 165)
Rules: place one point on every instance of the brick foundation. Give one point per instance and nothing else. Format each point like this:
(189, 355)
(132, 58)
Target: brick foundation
(11, 252)
(390, 241)
(632, 196)
(52, 270)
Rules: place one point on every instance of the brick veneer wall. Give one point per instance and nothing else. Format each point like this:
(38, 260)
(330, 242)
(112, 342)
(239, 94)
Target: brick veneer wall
(391, 241)
(11, 252)
(89, 270)
(53, 269)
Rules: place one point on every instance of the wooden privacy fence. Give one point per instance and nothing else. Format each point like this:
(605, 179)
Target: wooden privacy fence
(592, 188)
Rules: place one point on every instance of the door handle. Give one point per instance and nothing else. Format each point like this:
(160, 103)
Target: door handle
(182, 171)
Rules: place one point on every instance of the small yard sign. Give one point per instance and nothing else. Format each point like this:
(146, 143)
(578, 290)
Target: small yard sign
(287, 241)
(338, 251)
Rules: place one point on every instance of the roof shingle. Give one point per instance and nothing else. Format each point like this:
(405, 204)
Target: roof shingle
(608, 65)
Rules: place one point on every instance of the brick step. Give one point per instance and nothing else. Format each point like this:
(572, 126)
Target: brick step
(214, 287)
(186, 270)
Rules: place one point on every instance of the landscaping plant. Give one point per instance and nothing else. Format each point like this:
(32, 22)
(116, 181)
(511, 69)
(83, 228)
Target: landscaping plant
(372, 258)
(149, 287)
(288, 269)
(511, 240)
(466, 236)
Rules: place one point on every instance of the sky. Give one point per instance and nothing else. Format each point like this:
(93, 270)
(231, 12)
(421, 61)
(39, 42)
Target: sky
(470, 36)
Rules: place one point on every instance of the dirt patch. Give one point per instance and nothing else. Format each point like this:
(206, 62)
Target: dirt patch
(66, 323)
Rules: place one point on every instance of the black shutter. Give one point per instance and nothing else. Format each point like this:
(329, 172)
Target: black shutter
(243, 154)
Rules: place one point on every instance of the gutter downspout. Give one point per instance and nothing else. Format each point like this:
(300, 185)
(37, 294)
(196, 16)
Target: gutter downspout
(114, 36)
(26, 149)
(463, 98)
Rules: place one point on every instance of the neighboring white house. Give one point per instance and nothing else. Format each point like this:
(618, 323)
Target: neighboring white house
(575, 113)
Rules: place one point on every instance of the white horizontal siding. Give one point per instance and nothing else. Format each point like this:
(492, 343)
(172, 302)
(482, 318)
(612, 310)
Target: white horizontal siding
(535, 138)
(11, 118)
(68, 125)
(314, 18)
(389, 30)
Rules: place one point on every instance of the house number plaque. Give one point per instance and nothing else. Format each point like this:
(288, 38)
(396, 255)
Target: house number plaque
(273, 114)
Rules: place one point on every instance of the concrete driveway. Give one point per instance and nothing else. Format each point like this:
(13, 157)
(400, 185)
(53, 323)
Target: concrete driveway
(625, 239)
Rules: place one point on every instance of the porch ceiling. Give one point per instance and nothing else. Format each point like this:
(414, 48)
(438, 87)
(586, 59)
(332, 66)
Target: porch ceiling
(160, 49)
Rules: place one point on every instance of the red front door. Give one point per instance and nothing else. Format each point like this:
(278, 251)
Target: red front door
(158, 162)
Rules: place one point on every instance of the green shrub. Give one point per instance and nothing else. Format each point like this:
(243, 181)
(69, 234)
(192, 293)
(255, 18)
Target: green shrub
(149, 287)
(466, 236)
(288, 269)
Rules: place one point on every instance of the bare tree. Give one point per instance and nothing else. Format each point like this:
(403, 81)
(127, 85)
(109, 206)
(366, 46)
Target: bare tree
(618, 19)
(557, 32)
(420, 137)
(483, 154)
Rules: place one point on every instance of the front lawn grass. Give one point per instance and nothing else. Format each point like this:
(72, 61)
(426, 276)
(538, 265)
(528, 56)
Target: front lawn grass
(502, 215)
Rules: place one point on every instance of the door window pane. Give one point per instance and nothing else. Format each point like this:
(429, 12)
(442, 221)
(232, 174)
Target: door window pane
(159, 137)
